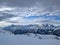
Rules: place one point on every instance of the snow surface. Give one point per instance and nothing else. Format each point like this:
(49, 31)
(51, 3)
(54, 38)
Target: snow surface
(11, 39)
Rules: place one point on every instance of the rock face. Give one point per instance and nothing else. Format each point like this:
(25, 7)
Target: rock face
(36, 29)
(47, 31)
(57, 32)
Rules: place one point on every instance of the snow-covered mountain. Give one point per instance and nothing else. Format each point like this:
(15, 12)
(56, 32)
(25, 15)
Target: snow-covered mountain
(36, 29)
(42, 32)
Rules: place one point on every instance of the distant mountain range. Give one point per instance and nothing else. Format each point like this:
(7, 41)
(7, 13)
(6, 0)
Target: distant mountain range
(44, 29)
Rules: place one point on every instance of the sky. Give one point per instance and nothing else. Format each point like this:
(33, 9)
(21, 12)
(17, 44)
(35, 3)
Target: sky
(24, 12)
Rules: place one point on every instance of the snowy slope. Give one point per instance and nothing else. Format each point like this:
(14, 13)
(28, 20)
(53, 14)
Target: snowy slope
(10, 39)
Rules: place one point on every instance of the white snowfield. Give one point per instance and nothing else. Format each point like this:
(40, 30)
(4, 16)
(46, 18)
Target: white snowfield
(11, 39)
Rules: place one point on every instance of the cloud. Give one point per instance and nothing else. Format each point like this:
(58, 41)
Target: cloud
(24, 3)
(3, 23)
(33, 15)
(30, 11)
(4, 16)
(4, 13)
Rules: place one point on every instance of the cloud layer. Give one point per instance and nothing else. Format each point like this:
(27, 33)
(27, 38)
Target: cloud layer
(30, 11)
